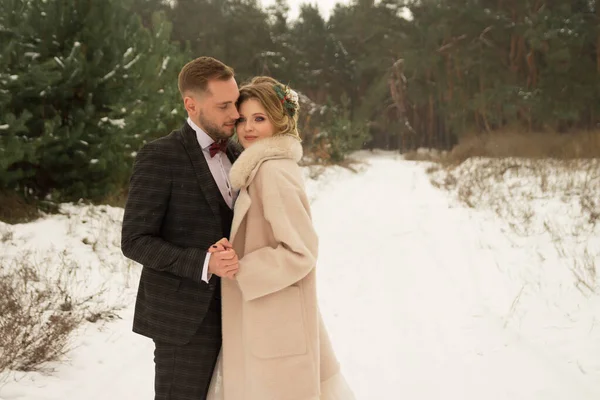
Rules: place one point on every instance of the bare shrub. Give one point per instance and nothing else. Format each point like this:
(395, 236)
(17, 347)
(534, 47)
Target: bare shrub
(46, 293)
(35, 324)
(40, 310)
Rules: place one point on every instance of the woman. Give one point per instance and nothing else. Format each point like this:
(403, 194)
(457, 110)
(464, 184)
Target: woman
(275, 346)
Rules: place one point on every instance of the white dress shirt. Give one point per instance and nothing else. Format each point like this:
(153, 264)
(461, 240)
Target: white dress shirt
(219, 166)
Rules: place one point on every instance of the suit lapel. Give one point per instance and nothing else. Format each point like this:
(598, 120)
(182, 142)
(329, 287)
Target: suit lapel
(203, 175)
(233, 151)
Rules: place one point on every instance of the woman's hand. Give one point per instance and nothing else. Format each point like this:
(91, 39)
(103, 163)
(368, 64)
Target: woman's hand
(223, 261)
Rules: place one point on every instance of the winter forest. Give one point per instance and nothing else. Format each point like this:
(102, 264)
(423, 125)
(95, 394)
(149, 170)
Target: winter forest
(83, 83)
(459, 137)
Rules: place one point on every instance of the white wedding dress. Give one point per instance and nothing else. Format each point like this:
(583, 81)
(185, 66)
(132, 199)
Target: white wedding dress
(215, 391)
(336, 388)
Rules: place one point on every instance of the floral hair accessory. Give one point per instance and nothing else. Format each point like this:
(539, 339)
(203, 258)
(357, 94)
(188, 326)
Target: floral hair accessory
(289, 99)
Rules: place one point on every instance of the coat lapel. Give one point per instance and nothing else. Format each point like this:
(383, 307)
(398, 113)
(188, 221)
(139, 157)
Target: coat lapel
(242, 205)
(247, 165)
(205, 179)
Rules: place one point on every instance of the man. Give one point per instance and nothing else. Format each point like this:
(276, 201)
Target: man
(180, 203)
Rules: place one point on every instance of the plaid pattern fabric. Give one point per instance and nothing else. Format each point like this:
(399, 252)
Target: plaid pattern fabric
(172, 216)
(184, 372)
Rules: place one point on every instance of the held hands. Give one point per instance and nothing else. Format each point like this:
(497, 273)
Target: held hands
(223, 260)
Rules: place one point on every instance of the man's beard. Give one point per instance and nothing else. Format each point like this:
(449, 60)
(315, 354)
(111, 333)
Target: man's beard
(214, 131)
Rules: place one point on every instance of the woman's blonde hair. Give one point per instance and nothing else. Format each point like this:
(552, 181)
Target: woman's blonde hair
(263, 89)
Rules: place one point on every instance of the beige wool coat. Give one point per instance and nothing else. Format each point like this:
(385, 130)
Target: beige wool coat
(275, 346)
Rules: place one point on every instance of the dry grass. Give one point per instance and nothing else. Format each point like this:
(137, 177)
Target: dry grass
(502, 144)
(116, 199)
(509, 184)
(557, 198)
(426, 155)
(538, 184)
(101, 239)
(15, 209)
(574, 146)
(586, 272)
(37, 318)
(39, 312)
(6, 234)
(46, 293)
(311, 159)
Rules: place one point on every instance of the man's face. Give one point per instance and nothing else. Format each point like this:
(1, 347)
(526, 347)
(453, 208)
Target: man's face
(214, 111)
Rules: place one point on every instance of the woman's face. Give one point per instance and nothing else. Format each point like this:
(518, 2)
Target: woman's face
(253, 124)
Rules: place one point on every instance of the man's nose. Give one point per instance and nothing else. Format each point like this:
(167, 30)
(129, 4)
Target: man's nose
(236, 114)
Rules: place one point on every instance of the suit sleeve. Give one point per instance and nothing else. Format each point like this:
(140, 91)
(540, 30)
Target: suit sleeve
(147, 203)
(287, 211)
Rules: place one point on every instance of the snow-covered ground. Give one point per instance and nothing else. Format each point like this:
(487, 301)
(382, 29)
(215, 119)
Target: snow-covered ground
(424, 297)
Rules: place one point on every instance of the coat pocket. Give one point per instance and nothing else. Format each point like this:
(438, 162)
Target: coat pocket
(275, 325)
(160, 282)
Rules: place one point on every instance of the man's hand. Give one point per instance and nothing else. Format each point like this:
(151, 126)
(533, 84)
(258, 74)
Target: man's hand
(223, 260)
(223, 243)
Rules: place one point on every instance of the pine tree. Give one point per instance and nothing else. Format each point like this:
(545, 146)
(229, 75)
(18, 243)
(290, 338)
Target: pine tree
(237, 32)
(85, 85)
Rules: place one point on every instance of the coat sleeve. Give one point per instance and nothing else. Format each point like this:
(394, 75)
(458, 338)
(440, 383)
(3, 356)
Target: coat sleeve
(147, 203)
(286, 210)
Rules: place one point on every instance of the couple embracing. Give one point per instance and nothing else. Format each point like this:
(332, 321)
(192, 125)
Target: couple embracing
(223, 230)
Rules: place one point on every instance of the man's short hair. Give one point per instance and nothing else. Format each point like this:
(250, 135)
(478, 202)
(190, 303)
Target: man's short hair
(196, 74)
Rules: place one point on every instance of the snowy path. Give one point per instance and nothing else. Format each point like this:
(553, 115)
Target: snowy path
(399, 290)
(405, 297)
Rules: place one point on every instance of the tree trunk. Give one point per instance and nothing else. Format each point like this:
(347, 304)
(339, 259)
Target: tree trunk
(598, 40)
(431, 117)
(449, 96)
(532, 70)
(397, 84)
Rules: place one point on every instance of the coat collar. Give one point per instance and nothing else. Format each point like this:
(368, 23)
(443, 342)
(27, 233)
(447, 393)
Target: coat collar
(274, 147)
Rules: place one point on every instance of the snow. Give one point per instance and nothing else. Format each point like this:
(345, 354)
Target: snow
(424, 297)
(59, 62)
(4, 126)
(110, 74)
(130, 64)
(164, 65)
(120, 123)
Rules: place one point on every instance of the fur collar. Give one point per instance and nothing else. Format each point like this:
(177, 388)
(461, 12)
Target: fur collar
(274, 147)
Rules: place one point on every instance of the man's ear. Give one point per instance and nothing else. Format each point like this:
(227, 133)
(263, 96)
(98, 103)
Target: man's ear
(190, 103)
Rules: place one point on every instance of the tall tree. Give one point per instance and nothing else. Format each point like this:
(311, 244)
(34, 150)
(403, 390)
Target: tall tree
(236, 32)
(83, 84)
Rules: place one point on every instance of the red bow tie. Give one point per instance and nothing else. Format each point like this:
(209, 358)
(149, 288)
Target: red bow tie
(216, 147)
